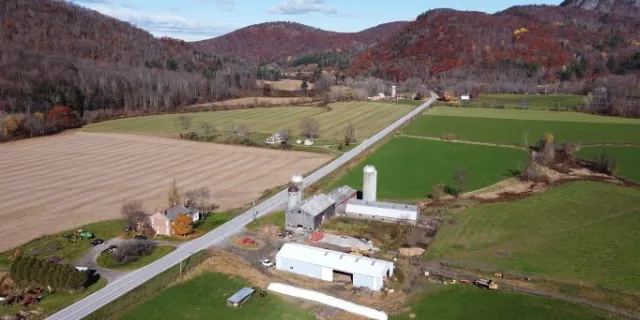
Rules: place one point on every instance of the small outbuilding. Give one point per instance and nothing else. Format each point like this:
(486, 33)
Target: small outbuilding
(382, 211)
(322, 264)
(240, 297)
(341, 196)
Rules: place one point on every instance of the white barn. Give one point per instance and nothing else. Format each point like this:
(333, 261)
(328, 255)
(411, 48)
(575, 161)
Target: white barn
(321, 263)
(382, 211)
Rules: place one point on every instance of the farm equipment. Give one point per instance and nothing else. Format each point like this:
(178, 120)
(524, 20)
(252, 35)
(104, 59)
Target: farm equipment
(247, 240)
(487, 284)
(80, 234)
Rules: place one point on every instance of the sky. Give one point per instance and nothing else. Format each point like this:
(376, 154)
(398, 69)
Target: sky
(193, 20)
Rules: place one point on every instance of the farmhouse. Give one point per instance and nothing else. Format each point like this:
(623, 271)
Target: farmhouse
(321, 264)
(161, 220)
(381, 211)
(275, 138)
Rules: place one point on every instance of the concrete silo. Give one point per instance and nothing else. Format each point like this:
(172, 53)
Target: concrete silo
(369, 183)
(295, 192)
(393, 92)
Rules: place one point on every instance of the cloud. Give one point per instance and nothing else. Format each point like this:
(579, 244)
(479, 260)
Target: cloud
(128, 5)
(299, 7)
(166, 24)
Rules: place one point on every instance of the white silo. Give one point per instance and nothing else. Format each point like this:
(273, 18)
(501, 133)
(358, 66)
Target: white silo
(369, 183)
(393, 92)
(294, 196)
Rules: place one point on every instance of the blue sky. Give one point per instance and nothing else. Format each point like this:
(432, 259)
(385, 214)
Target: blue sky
(202, 19)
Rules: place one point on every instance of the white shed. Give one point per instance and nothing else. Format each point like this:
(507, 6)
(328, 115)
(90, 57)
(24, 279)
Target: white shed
(382, 211)
(321, 263)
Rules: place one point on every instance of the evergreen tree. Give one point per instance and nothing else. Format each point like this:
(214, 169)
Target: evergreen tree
(48, 278)
(56, 280)
(34, 270)
(16, 268)
(25, 269)
(41, 277)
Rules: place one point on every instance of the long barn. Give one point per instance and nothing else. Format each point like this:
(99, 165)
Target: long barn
(322, 263)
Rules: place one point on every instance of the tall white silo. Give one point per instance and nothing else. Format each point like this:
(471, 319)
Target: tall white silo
(393, 92)
(369, 183)
(294, 196)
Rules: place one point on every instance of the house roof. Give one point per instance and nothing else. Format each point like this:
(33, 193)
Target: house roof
(316, 205)
(173, 212)
(335, 260)
(341, 194)
(240, 295)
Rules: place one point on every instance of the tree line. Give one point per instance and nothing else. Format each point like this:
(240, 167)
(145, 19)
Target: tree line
(32, 271)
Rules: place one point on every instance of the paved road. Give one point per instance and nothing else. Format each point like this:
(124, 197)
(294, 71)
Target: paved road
(130, 281)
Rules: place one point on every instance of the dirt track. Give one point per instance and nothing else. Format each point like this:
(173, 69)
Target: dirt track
(56, 183)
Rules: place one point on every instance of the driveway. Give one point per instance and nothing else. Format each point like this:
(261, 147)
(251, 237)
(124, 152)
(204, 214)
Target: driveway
(89, 259)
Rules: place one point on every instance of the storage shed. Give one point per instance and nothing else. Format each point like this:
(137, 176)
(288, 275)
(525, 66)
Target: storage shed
(382, 211)
(240, 297)
(321, 264)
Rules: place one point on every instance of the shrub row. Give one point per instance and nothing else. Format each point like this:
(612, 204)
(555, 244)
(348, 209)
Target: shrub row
(33, 271)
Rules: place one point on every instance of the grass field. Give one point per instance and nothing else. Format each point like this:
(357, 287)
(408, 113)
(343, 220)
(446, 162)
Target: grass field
(535, 102)
(368, 118)
(628, 159)
(480, 126)
(106, 259)
(465, 302)
(409, 167)
(55, 245)
(582, 231)
(205, 296)
(275, 219)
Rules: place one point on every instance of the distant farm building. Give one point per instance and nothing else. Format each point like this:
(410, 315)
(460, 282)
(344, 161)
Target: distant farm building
(321, 264)
(465, 97)
(276, 138)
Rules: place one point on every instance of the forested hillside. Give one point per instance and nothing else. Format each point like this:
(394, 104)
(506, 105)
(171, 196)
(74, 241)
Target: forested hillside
(545, 42)
(630, 8)
(56, 53)
(273, 41)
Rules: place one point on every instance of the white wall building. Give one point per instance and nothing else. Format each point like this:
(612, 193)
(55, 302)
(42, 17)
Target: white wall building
(321, 263)
(382, 211)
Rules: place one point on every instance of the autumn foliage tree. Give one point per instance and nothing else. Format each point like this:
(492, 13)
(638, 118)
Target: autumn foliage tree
(61, 117)
(182, 225)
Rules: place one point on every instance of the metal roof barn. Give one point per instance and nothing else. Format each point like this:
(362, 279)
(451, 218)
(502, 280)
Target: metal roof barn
(383, 211)
(240, 297)
(321, 263)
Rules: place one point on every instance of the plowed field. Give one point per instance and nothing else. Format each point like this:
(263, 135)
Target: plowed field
(52, 184)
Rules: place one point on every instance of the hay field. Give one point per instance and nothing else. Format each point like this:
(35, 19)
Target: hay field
(254, 102)
(368, 118)
(579, 232)
(627, 158)
(56, 183)
(511, 126)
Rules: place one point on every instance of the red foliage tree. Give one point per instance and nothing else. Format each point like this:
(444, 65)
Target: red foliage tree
(61, 117)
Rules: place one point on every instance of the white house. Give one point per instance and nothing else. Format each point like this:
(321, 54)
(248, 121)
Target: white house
(276, 138)
(321, 263)
(465, 97)
(308, 142)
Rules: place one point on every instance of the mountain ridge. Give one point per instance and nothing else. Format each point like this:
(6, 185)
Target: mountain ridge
(273, 41)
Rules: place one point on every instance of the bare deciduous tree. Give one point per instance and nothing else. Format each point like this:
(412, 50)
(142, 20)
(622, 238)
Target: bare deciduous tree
(200, 197)
(132, 212)
(350, 134)
(174, 196)
(310, 128)
(185, 122)
(241, 131)
(324, 83)
(460, 178)
(208, 130)
(285, 134)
